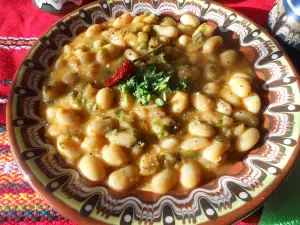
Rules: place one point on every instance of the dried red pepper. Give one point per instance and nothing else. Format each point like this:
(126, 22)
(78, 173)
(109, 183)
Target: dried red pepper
(125, 69)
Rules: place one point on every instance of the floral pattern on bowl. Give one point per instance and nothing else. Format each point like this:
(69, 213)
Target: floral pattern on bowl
(226, 199)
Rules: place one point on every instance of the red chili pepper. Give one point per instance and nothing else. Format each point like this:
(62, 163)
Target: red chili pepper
(124, 70)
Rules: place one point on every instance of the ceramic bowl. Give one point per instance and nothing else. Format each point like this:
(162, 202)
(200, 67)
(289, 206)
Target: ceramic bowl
(230, 197)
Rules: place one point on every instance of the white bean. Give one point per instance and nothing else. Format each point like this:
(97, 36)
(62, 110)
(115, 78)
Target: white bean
(126, 100)
(93, 30)
(168, 31)
(85, 57)
(179, 102)
(151, 19)
(245, 76)
(105, 98)
(124, 137)
(238, 130)
(142, 37)
(188, 30)
(115, 155)
(169, 144)
(123, 178)
(190, 174)
(211, 71)
(230, 97)
(202, 102)
(228, 58)
(214, 152)
(67, 117)
(92, 144)
(131, 39)
(190, 20)
(245, 117)
(161, 182)
(240, 87)
(200, 129)
(148, 164)
(212, 44)
(252, 103)
(92, 168)
(194, 143)
(223, 107)
(168, 21)
(131, 55)
(183, 41)
(51, 113)
(247, 140)
(122, 21)
(212, 89)
(100, 126)
(68, 147)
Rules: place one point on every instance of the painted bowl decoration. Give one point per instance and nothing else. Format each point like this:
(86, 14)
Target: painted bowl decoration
(59, 6)
(284, 21)
(226, 199)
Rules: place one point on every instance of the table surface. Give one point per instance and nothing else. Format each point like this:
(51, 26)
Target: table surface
(21, 24)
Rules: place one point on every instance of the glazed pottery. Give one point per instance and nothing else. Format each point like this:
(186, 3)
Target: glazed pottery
(230, 197)
(284, 21)
(59, 6)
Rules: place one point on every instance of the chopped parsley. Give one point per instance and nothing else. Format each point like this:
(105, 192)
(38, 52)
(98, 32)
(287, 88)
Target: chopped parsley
(149, 85)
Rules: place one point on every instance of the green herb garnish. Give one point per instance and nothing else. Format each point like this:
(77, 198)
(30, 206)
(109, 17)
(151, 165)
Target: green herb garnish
(151, 85)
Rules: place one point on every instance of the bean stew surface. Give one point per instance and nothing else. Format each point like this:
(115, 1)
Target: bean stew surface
(187, 111)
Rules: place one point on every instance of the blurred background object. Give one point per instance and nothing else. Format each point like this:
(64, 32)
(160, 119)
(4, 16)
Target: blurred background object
(284, 22)
(59, 6)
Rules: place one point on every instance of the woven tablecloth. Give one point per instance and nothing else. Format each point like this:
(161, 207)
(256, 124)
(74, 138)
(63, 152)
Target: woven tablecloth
(21, 23)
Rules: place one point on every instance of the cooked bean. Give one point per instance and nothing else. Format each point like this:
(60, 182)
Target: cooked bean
(130, 54)
(93, 30)
(240, 87)
(147, 28)
(252, 103)
(151, 19)
(200, 129)
(148, 164)
(183, 41)
(162, 126)
(223, 107)
(115, 155)
(168, 31)
(247, 140)
(51, 113)
(194, 143)
(245, 76)
(92, 144)
(84, 56)
(188, 30)
(126, 100)
(246, 117)
(123, 178)
(68, 147)
(238, 129)
(214, 152)
(228, 58)
(212, 44)
(179, 102)
(168, 21)
(202, 102)
(211, 71)
(67, 117)
(161, 182)
(100, 126)
(190, 174)
(124, 137)
(142, 37)
(122, 21)
(190, 20)
(131, 39)
(169, 144)
(211, 89)
(205, 30)
(112, 50)
(138, 19)
(230, 97)
(105, 98)
(92, 168)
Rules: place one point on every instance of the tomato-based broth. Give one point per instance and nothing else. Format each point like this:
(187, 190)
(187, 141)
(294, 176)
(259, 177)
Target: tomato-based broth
(170, 121)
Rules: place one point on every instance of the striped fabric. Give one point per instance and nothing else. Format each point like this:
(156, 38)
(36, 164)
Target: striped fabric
(23, 23)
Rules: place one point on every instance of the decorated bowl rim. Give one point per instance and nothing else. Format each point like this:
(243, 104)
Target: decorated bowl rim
(73, 214)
